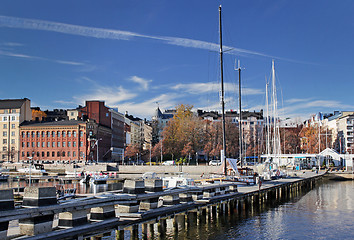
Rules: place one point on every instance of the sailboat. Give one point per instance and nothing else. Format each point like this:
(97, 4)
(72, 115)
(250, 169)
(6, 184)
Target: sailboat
(269, 169)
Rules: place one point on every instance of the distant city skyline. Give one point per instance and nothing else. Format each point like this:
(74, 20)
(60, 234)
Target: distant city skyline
(135, 54)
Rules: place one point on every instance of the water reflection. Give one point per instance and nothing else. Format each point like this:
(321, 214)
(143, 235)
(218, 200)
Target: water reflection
(323, 213)
(80, 188)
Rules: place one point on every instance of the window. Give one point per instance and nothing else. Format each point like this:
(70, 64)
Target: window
(13, 133)
(23, 154)
(13, 110)
(23, 134)
(33, 144)
(13, 118)
(74, 144)
(12, 141)
(74, 154)
(53, 154)
(23, 144)
(64, 145)
(81, 154)
(58, 133)
(3, 156)
(58, 144)
(48, 154)
(4, 134)
(6, 111)
(69, 144)
(38, 134)
(4, 141)
(58, 154)
(38, 144)
(74, 133)
(90, 133)
(28, 154)
(5, 126)
(28, 134)
(5, 118)
(13, 126)
(68, 154)
(33, 134)
(81, 144)
(64, 133)
(48, 144)
(4, 148)
(53, 134)
(81, 133)
(69, 134)
(63, 153)
(28, 144)
(43, 144)
(43, 134)
(42, 154)
(48, 134)
(53, 144)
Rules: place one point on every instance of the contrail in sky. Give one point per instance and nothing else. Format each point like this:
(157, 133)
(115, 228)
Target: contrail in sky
(24, 23)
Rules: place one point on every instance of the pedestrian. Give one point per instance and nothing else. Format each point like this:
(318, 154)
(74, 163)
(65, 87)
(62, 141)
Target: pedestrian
(259, 183)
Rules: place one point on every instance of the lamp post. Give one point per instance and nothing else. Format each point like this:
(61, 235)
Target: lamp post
(97, 147)
(30, 169)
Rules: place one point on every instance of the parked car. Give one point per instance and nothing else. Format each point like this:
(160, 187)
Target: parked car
(168, 163)
(215, 163)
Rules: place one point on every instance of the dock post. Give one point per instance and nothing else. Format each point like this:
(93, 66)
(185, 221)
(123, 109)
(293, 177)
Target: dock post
(6, 203)
(37, 197)
(151, 185)
(170, 200)
(119, 234)
(132, 187)
(134, 232)
(72, 219)
(144, 228)
(102, 213)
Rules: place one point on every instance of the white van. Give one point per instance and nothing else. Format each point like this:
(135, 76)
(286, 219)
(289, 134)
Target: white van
(168, 163)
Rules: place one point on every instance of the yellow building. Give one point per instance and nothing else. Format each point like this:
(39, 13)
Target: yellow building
(12, 113)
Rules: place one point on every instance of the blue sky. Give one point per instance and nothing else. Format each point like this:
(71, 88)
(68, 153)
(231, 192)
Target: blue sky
(133, 54)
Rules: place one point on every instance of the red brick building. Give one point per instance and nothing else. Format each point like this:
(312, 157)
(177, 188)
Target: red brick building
(96, 110)
(63, 140)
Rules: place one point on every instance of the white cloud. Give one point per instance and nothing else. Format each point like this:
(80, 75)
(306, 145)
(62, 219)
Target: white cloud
(144, 83)
(14, 22)
(147, 108)
(111, 95)
(202, 88)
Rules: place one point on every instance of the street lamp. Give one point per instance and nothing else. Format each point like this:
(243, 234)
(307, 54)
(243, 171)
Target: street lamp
(96, 142)
(30, 169)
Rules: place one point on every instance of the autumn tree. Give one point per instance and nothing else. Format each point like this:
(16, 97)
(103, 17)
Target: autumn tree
(131, 150)
(309, 139)
(184, 129)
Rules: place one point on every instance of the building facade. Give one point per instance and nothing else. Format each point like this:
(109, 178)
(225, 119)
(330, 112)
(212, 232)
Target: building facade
(54, 141)
(69, 140)
(13, 112)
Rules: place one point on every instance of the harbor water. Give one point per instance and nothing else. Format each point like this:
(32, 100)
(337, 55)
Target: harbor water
(326, 212)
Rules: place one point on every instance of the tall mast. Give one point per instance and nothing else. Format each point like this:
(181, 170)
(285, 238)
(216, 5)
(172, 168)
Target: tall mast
(240, 111)
(276, 136)
(267, 122)
(222, 96)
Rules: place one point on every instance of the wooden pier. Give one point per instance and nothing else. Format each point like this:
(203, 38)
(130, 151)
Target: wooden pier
(134, 214)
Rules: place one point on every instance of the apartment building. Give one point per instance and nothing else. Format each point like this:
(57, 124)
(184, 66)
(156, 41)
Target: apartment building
(13, 112)
(67, 140)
